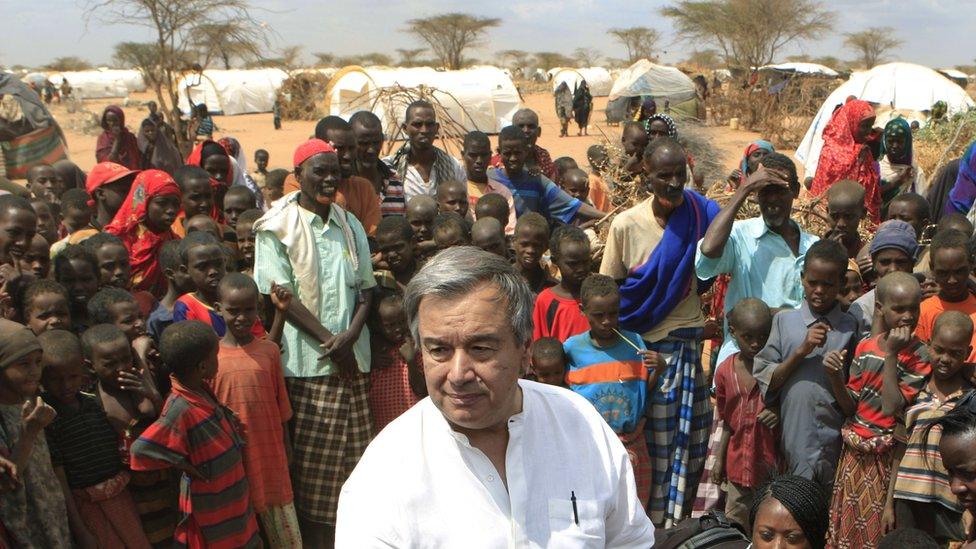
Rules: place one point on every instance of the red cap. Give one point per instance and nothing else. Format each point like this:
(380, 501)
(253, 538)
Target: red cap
(104, 173)
(309, 149)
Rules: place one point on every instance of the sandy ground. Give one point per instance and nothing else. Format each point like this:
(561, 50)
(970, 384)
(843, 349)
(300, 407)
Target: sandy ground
(256, 131)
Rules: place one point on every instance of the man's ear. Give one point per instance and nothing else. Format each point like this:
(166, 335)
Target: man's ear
(216, 307)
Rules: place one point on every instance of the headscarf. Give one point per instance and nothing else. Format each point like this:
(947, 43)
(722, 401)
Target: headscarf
(898, 127)
(198, 156)
(129, 155)
(753, 147)
(16, 342)
(840, 157)
(238, 161)
(647, 109)
(963, 193)
(165, 155)
(668, 121)
(143, 244)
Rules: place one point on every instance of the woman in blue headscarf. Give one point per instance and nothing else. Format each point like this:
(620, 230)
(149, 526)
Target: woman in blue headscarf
(750, 162)
(899, 172)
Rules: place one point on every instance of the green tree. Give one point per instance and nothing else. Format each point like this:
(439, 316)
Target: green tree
(70, 63)
(871, 44)
(449, 35)
(641, 42)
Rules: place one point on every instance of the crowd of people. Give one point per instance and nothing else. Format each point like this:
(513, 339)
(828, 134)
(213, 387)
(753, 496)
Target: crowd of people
(199, 353)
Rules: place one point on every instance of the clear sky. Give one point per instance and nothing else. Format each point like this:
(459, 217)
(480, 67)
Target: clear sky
(938, 33)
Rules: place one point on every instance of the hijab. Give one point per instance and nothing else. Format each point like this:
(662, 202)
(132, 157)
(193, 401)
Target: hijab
(757, 145)
(898, 127)
(165, 156)
(129, 155)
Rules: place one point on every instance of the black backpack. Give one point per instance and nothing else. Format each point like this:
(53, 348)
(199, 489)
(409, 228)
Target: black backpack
(712, 531)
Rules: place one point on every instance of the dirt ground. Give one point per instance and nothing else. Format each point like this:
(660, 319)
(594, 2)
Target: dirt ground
(255, 131)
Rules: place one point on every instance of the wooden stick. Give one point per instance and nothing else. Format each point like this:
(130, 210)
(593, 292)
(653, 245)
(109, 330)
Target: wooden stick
(629, 342)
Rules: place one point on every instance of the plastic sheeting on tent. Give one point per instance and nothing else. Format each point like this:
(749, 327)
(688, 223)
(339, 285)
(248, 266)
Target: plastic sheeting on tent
(813, 69)
(482, 98)
(598, 78)
(101, 83)
(232, 91)
(658, 81)
(892, 87)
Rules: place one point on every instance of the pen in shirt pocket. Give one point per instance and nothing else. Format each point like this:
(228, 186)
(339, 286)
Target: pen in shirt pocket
(572, 498)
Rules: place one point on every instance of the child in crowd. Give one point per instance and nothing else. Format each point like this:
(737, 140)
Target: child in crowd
(260, 173)
(476, 156)
(201, 124)
(48, 219)
(891, 250)
(549, 362)
(396, 371)
(951, 264)
(531, 242)
(886, 374)
(845, 210)
(115, 270)
(20, 225)
(34, 512)
(633, 141)
(450, 229)
(747, 452)
(494, 205)
(563, 164)
(45, 306)
(598, 160)
(178, 282)
(197, 195)
(76, 216)
(395, 240)
(37, 258)
(421, 211)
(238, 200)
(790, 369)
(853, 287)
(201, 438)
(923, 498)
(557, 310)
(84, 450)
(77, 270)
(452, 196)
(245, 240)
(274, 186)
(250, 382)
(489, 235)
(576, 183)
(203, 261)
(116, 306)
(43, 183)
(912, 208)
(614, 371)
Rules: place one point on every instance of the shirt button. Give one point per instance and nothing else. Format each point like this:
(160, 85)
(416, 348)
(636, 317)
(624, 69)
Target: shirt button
(491, 478)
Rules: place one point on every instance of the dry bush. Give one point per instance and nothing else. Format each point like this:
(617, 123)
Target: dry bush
(302, 94)
(938, 143)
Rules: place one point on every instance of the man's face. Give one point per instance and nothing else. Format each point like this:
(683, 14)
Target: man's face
(513, 152)
(319, 177)
(775, 205)
(472, 360)
(529, 124)
(111, 195)
(476, 157)
(421, 128)
(369, 143)
(344, 143)
(665, 175)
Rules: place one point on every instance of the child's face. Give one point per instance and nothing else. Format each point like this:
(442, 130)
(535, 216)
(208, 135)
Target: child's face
(906, 211)
(161, 212)
(453, 199)
(261, 160)
(110, 358)
(234, 206)
(821, 284)
(852, 289)
(393, 320)
(128, 318)
(948, 352)
(513, 154)
(845, 217)
(448, 237)
(550, 370)
(634, 141)
(17, 229)
(530, 244)
(245, 242)
(750, 334)
(217, 165)
(476, 157)
(577, 186)
(22, 379)
(574, 262)
(891, 260)
(206, 267)
(48, 312)
(272, 193)
(422, 222)
(37, 260)
(900, 308)
(198, 198)
(396, 250)
(491, 242)
(47, 222)
(76, 218)
(45, 185)
(64, 377)
(603, 314)
(113, 266)
(80, 279)
(239, 307)
(951, 268)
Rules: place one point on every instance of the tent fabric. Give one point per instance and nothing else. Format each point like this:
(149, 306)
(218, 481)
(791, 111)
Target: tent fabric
(101, 83)
(598, 78)
(479, 98)
(802, 68)
(891, 87)
(231, 92)
(658, 81)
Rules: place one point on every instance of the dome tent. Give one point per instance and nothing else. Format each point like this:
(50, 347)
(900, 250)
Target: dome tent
(903, 87)
(101, 83)
(231, 92)
(598, 78)
(482, 98)
(664, 84)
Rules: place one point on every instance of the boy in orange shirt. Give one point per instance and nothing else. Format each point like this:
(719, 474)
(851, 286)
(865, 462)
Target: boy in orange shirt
(951, 264)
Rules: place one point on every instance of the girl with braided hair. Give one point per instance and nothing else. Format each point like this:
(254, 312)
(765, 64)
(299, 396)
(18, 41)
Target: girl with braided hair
(958, 448)
(789, 511)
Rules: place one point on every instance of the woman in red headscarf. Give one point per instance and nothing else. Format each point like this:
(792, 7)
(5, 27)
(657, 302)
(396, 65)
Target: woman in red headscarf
(143, 223)
(846, 154)
(116, 143)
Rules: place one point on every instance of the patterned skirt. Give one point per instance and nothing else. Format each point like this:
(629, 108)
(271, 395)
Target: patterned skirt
(330, 430)
(860, 492)
(679, 419)
(635, 442)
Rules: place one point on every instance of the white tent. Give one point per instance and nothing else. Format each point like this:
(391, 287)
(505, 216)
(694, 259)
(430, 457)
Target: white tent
(954, 74)
(812, 69)
(658, 81)
(902, 87)
(482, 98)
(101, 83)
(232, 91)
(598, 78)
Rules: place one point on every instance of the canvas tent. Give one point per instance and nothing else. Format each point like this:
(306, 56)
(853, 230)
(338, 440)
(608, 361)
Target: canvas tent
(902, 88)
(482, 98)
(598, 78)
(101, 83)
(667, 85)
(231, 92)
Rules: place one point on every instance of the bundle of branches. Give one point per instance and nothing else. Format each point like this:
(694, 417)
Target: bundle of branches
(939, 142)
(301, 95)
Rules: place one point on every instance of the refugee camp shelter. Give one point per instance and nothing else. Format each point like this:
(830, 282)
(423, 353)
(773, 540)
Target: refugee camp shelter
(956, 76)
(478, 98)
(802, 69)
(230, 92)
(101, 83)
(669, 87)
(598, 78)
(894, 88)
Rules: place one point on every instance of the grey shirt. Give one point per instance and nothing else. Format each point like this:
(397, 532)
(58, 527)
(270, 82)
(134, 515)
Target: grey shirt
(809, 415)
(863, 311)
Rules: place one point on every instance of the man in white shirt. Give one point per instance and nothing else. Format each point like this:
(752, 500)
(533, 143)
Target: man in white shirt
(418, 163)
(488, 460)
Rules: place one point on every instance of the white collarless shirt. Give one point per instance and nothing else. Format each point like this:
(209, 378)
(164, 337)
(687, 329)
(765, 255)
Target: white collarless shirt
(421, 484)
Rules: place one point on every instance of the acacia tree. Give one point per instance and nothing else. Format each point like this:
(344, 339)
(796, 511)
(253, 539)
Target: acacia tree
(639, 41)
(227, 41)
(173, 24)
(410, 57)
(586, 57)
(449, 35)
(546, 60)
(323, 59)
(69, 63)
(706, 59)
(749, 33)
(872, 44)
(517, 59)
